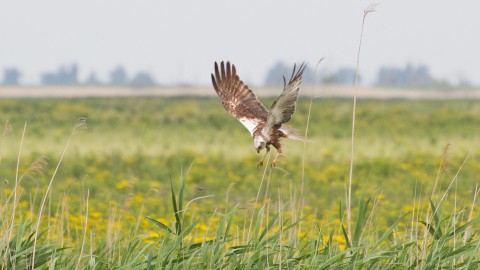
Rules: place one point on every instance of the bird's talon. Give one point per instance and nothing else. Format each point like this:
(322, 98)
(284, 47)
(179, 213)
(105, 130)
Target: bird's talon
(260, 164)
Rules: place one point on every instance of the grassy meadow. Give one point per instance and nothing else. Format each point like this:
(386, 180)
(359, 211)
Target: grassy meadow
(172, 183)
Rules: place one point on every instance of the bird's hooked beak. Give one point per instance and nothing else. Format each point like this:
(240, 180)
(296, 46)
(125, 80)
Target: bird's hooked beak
(258, 150)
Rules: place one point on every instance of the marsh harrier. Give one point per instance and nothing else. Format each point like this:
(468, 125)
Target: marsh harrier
(266, 127)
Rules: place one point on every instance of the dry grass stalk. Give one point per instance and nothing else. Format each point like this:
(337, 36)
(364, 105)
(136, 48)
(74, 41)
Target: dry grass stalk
(258, 196)
(454, 179)
(7, 129)
(36, 168)
(369, 9)
(308, 124)
(15, 195)
(302, 201)
(472, 206)
(79, 126)
(443, 167)
(84, 231)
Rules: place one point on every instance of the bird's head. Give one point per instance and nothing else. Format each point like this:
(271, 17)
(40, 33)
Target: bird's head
(259, 143)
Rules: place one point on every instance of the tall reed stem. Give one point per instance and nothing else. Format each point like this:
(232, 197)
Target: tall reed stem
(78, 126)
(370, 8)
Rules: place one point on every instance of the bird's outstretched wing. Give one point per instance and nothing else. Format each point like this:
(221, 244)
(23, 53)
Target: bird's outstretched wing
(237, 98)
(284, 106)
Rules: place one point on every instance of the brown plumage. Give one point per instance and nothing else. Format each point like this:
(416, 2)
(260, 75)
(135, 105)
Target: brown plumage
(266, 127)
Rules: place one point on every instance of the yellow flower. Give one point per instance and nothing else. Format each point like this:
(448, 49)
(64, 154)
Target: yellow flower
(24, 204)
(122, 184)
(95, 214)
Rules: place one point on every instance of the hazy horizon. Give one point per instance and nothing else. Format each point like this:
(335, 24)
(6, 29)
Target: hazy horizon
(177, 42)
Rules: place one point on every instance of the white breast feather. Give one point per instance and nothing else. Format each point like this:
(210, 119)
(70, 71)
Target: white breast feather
(249, 123)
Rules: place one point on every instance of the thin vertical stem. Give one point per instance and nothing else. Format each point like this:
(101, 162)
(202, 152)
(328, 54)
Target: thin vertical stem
(84, 232)
(370, 8)
(78, 125)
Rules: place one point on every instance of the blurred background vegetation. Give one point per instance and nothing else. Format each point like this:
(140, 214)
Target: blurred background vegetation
(134, 146)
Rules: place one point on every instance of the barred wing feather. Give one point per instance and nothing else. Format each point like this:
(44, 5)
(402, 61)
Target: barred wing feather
(284, 106)
(237, 98)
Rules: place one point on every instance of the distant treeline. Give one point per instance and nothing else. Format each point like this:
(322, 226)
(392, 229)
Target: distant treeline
(68, 75)
(388, 76)
(407, 76)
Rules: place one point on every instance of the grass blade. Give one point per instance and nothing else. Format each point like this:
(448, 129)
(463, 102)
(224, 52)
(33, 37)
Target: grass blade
(178, 224)
(160, 224)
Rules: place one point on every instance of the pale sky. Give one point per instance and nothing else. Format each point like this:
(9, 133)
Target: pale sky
(180, 40)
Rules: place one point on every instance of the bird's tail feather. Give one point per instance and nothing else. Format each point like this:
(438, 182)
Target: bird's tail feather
(293, 134)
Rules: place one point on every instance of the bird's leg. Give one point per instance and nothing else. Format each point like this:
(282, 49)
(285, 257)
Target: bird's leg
(278, 146)
(260, 164)
(279, 153)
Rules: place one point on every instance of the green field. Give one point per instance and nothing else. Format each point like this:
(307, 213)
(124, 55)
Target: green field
(119, 168)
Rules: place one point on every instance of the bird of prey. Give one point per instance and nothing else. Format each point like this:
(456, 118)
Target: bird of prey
(266, 127)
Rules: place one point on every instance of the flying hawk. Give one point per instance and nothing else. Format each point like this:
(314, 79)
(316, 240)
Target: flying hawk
(266, 127)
